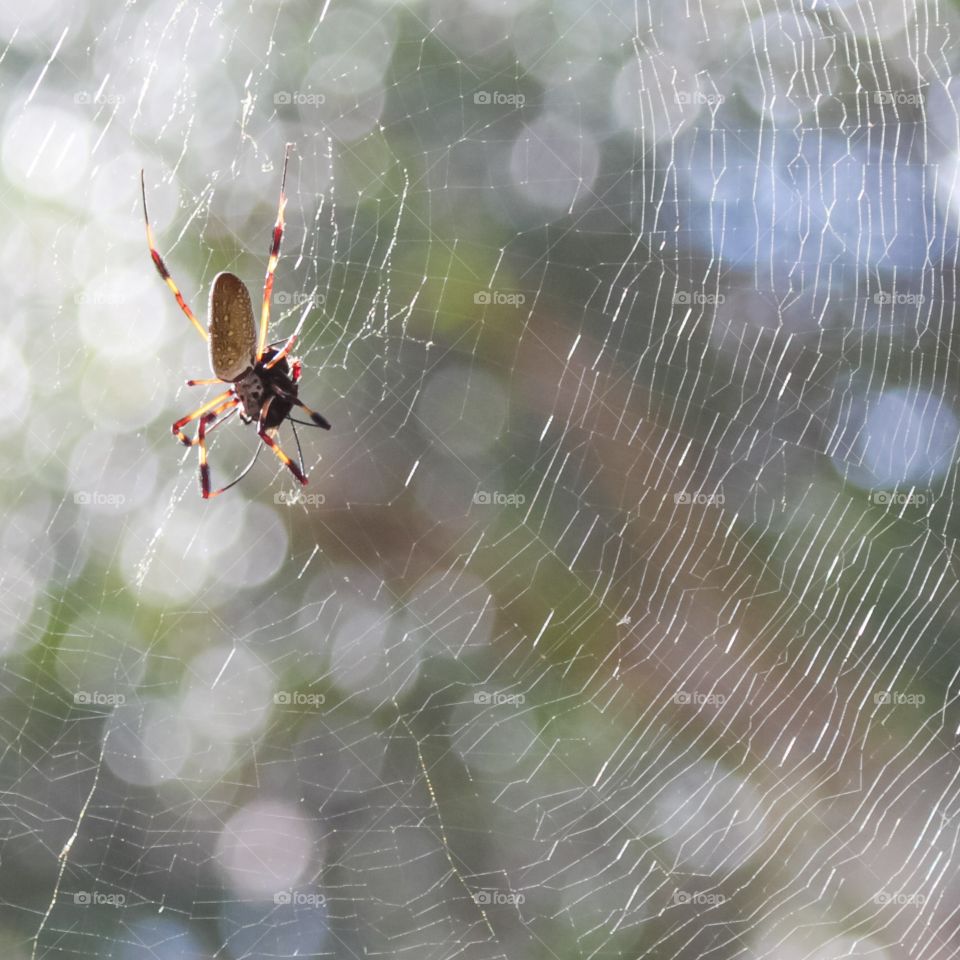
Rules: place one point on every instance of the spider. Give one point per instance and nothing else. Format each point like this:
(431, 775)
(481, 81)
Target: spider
(263, 383)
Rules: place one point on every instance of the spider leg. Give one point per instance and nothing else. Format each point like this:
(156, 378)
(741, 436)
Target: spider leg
(272, 262)
(318, 419)
(205, 490)
(217, 401)
(162, 267)
(303, 469)
(286, 349)
(275, 447)
(205, 383)
(281, 456)
(295, 365)
(303, 423)
(236, 480)
(210, 421)
(291, 340)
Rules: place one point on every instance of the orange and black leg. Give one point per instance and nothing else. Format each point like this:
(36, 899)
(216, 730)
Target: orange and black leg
(201, 441)
(318, 418)
(202, 432)
(221, 400)
(274, 258)
(213, 419)
(162, 267)
(276, 448)
(282, 353)
(295, 365)
(205, 491)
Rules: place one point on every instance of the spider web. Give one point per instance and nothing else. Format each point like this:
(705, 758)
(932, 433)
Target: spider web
(618, 617)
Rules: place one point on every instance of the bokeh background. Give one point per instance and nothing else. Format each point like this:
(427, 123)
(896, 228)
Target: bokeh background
(619, 618)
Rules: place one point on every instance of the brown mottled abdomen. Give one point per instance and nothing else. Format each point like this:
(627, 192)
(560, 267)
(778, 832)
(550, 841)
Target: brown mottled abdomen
(233, 336)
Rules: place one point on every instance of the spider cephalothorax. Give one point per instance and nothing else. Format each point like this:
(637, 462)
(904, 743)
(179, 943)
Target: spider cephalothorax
(262, 383)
